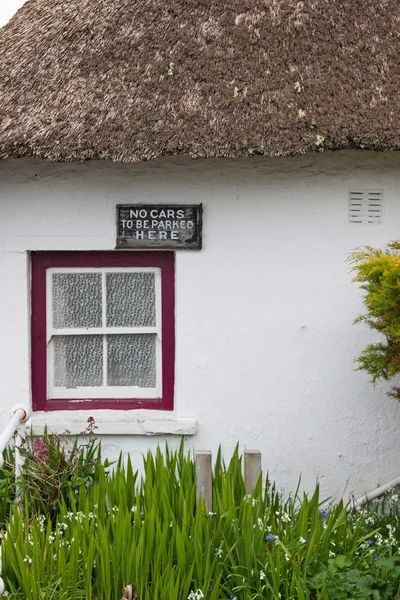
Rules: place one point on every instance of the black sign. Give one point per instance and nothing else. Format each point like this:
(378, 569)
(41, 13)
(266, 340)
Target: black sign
(167, 226)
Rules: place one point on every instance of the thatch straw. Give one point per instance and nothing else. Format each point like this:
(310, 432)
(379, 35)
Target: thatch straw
(131, 80)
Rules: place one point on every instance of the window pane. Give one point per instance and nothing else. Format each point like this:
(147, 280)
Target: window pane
(132, 360)
(78, 360)
(77, 300)
(131, 300)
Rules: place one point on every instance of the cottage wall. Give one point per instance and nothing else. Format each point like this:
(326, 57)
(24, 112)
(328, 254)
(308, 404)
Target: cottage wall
(264, 336)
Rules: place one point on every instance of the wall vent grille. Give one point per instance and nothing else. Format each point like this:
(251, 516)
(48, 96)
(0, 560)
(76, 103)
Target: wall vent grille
(365, 206)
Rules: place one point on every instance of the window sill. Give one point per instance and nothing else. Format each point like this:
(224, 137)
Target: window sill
(111, 422)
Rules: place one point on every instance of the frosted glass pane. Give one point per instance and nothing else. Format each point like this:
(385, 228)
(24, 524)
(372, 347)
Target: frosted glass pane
(77, 300)
(132, 360)
(78, 360)
(131, 300)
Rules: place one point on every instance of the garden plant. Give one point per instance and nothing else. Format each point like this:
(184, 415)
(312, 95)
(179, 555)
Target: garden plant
(378, 272)
(104, 529)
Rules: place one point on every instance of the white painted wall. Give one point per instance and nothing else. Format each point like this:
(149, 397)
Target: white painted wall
(265, 341)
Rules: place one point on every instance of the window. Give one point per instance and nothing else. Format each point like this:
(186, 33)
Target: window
(102, 330)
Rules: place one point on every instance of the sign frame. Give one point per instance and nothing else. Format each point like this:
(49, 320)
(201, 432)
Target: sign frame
(178, 239)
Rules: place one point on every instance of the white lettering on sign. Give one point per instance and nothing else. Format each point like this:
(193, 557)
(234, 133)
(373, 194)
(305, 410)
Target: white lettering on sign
(155, 224)
(157, 235)
(143, 223)
(135, 213)
(143, 213)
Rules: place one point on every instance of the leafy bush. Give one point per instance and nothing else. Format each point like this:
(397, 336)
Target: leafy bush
(378, 272)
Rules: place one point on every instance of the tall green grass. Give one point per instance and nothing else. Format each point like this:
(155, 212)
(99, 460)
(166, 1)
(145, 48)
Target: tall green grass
(148, 532)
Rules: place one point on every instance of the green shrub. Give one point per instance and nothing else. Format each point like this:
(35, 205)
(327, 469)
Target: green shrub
(378, 272)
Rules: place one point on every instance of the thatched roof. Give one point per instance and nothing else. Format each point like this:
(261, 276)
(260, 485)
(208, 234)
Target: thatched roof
(135, 79)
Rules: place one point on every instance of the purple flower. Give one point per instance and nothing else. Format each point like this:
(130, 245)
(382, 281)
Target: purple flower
(270, 537)
(370, 542)
(376, 557)
(324, 512)
(39, 450)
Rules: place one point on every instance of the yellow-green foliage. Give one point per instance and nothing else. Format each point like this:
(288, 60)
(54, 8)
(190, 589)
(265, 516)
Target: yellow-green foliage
(378, 272)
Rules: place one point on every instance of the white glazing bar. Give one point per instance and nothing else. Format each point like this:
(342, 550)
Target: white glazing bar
(120, 392)
(104, 323)
(103, 331)
(103, 269)
(157, 286)
(49, 305)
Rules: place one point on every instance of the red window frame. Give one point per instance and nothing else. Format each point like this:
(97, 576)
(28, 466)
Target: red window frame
(40, 262)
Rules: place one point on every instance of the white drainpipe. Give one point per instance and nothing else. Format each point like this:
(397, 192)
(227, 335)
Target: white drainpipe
(377, 492)
(19, 414)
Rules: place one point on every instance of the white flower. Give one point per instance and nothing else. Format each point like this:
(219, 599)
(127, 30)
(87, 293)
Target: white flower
(28, 560)
(262, 576)
(302, 540)
(198, 595)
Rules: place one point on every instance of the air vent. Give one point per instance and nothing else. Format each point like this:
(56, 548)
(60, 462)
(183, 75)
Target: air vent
(365, 206)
